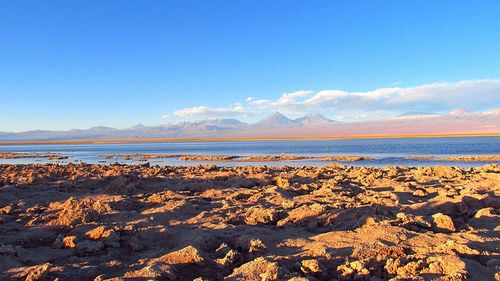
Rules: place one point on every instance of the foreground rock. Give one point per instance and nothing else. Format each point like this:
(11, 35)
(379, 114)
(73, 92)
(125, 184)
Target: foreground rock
(100, 222)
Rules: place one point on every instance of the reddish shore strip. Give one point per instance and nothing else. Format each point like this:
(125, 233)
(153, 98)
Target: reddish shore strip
(248, 139)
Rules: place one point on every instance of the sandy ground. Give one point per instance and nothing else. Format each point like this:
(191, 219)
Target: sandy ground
(98, 222)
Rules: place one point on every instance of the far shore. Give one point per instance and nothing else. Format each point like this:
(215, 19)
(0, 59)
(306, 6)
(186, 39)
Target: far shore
(248, 139)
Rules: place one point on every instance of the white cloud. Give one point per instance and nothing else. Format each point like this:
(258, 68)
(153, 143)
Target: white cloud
(258, 102)
(472, 95)
(291, 98)
(204, 111)
(437, 97)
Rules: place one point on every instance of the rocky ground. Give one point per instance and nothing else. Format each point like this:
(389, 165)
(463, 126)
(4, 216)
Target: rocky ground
(100, 222)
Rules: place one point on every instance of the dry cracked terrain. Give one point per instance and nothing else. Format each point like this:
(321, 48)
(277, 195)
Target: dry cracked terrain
(119, 222)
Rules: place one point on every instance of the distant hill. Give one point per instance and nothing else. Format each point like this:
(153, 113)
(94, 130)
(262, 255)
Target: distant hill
(313, 119)
(275, 120)
(278, 125)
(416, 114)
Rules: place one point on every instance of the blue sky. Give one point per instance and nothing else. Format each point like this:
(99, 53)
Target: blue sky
(77, 64)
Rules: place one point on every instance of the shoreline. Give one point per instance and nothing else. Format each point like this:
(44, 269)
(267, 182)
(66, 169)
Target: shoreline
(402, 136)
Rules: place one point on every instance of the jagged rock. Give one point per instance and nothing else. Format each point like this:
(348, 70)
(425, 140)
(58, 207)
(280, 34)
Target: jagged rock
(413, 222)
(355, 270)
(65, 242)
(253, 246)
(157, 270)
(74, 211)
(282, 182)
(7, 210)
(108, 236)
(405, 268)
(188, 254)
(310, 266)
(452, 247)
(258, 269)
(450, 265)
(38, 272)
(419, 193)
(69, 241)
(259, 215)
(490, 168)
(485, 212)
(305, 214)
(443, 222)
(247, 244)
(231, 257)
(448, 172)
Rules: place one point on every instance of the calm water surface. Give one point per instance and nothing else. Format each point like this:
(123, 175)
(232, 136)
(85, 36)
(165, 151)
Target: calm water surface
(385, 151)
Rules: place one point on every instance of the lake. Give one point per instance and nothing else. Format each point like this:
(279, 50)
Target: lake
(385, 151)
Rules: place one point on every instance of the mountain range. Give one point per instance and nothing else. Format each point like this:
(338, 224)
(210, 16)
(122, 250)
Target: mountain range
(278, 125)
